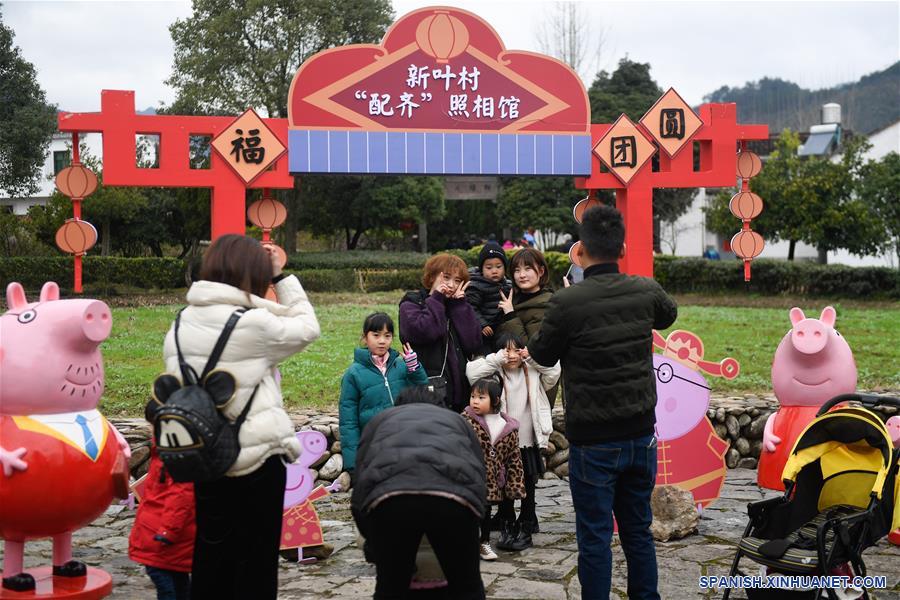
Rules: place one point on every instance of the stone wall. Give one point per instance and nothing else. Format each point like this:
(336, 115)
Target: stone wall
(739, 420)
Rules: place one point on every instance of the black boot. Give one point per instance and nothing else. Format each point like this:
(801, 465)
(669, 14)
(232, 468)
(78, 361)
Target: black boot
(73, 568)
(523, 539)
(497, 522)
(23, 582)
(508, 535)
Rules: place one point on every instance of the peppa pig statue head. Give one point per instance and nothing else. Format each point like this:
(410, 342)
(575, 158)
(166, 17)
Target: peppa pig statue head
(49, 352)
(893, 427)
(300, 480)
(813, 362)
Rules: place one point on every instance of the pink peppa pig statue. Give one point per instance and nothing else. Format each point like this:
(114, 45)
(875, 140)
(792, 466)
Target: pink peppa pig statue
(813, 364)
(893, 427)
(62, 462)
(690, 454)
(300, 526)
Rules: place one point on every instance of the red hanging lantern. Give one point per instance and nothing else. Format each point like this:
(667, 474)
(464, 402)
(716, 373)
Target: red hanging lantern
(76, 237)
(745, 205)
(584, 205)
(279, 251)
(267, 213)
(442, 36)
(76, 181)
(748, 164)
(747, 245)
(573, 254)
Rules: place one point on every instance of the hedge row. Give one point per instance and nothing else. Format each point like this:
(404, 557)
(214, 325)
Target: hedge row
(774, 277)
(359, 280)
(144, 273)
(356, 259)
(680, 275)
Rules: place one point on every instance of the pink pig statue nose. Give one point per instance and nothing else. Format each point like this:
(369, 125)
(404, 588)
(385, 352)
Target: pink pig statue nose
(809, 336)
(96, 321)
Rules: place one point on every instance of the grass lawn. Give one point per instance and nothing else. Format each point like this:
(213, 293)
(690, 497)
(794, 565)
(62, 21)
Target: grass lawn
(133, 354)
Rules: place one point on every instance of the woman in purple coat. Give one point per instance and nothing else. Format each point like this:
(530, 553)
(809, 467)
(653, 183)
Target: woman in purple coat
(442, 327)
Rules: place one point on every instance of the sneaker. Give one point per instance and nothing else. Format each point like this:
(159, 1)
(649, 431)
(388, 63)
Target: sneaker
(486, 552)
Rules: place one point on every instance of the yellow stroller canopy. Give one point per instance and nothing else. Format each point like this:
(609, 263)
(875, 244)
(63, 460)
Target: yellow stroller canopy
(854, 453)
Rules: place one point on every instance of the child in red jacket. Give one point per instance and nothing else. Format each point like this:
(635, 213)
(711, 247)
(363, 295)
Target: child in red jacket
(162, 538)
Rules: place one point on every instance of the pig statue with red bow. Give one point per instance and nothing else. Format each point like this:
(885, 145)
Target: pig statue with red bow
(61, 462)
(812, 364)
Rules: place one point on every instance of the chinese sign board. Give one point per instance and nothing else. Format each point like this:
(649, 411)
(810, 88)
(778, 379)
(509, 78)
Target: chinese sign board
(440, 95)
(671, 122)
(624, 149)
(248, 146)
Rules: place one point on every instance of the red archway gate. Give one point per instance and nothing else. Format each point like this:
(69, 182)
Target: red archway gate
(441, 95)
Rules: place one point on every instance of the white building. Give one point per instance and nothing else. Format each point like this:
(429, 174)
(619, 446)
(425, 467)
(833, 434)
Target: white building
(688, 236)
(59, 156)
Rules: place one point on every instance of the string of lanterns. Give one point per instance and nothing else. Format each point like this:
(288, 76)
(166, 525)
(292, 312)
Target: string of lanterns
(745, 205)
(75, 236)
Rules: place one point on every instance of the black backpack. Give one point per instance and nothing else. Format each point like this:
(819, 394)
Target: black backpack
(195, 441)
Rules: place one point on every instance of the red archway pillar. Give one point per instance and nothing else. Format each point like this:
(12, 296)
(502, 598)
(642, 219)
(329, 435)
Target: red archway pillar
(228, 202)
(635, 202)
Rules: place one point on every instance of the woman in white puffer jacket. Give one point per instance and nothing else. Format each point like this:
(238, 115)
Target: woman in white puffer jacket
(239, 515)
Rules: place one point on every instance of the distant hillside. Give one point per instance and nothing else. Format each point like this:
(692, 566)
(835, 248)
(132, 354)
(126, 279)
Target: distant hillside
(867, 105)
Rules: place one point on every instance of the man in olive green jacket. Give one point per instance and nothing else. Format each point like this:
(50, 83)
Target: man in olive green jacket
(601, 331)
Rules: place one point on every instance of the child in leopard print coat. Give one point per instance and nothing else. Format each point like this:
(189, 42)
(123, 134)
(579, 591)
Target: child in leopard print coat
(498, 434)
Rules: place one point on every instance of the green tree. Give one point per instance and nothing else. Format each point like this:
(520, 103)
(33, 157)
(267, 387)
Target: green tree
(27, 121)
(631, 90)
(810, 200)
(231, 54)
(544, 203)
(879, 187)
(355, 204)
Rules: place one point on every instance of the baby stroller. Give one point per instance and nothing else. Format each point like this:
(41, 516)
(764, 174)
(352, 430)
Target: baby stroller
(841, 495)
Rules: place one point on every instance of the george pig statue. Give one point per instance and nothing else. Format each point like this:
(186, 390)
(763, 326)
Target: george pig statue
(812, 364)
(300, 526)
(61, 462)
(690, 454)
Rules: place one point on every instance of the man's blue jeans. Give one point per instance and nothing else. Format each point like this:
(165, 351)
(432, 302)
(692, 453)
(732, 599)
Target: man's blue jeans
(606, 478)
(170, 585)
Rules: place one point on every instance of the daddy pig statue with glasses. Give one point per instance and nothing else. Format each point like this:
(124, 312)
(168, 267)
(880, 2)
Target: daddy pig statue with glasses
(812, 364)
(61, 461)
(690, 454)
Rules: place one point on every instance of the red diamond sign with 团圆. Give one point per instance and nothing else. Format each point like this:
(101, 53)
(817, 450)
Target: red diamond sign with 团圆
(248, 146)
(624, 149)
(671, 122)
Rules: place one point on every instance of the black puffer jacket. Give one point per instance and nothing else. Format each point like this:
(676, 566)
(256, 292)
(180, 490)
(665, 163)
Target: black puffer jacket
(602, 332)
(418, 449)
(484, 296)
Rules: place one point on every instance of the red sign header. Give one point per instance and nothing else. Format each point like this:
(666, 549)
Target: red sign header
(438, 69)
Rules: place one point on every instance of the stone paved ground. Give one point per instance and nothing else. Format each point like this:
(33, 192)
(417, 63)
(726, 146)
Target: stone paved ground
(548, 571)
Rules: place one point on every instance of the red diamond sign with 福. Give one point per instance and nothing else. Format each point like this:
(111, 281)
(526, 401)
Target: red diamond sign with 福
(248, 146)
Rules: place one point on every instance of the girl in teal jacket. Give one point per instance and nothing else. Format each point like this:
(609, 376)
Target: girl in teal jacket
(372, 383)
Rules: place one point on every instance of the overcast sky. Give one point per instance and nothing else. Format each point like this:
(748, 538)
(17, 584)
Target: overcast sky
(80, 48)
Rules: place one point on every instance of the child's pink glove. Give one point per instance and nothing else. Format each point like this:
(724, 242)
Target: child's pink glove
(412, 360)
